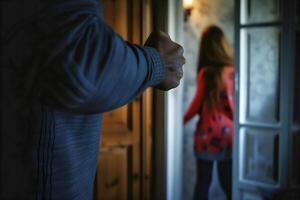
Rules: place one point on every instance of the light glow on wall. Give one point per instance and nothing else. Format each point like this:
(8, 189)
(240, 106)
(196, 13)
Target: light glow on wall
(188, 4)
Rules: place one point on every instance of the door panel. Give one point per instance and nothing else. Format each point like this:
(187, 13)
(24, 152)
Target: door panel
(297, 80)
(258, 11)
(119, 161)
(296, 113)
(246, 195)
(260, 75)
(260, 156)
(113, 174)
(266, 143)
(123, 170)
(296, 159)
(116, 14)
(119, 120)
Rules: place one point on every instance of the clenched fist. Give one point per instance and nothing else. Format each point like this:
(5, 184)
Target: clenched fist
(172, 55)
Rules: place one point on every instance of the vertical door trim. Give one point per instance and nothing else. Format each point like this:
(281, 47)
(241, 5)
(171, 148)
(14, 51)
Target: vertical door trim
(158, 189)
(288, 66)
(236, 150)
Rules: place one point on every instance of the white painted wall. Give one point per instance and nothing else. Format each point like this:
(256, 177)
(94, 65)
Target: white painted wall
(174, 112)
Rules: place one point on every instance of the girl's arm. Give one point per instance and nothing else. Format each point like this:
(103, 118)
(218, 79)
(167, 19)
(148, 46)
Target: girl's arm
(198, 99)
(230, 90)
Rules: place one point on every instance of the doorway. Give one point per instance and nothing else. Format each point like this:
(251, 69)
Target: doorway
(203, 14)
(258, 171)
(265, 35)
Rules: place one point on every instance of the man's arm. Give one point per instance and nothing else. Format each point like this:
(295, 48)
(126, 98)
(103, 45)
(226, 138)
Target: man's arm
(98, 71)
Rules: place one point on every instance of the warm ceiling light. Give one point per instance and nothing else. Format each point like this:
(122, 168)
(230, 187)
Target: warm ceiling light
(187, 6)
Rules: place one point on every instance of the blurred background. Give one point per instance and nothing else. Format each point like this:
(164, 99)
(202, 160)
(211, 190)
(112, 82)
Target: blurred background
(147, 153)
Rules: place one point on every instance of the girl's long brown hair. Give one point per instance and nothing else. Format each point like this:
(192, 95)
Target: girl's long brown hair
(214, 54)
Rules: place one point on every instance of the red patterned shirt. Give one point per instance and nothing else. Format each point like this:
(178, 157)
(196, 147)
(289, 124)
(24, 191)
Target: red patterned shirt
(214, 129)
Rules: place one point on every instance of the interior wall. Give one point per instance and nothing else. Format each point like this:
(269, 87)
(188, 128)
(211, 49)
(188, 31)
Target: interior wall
(205, 12)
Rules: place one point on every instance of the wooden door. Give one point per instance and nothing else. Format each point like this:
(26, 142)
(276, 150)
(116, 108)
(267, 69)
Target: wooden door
(266, 151)
(124, 164)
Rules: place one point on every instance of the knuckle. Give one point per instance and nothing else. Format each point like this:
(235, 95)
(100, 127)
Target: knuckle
(180, 49)
(180, 75)
(183, 60)
(176, 84)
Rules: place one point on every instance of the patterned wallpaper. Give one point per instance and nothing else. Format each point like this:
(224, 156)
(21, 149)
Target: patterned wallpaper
(205, 12)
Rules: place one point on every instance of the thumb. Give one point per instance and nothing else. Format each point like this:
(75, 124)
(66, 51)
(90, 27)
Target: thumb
(165, 34)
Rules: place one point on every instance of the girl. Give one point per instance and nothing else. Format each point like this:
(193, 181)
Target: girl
(213, 102)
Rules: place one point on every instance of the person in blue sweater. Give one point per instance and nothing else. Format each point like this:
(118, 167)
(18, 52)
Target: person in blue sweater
(61, 67)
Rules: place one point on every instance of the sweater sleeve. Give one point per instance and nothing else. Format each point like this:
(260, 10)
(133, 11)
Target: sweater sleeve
(97, 70)
(197, 100)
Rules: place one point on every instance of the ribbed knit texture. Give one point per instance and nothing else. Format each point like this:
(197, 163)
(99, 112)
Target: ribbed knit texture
(159, 70)
(62, 67)
(67, 156)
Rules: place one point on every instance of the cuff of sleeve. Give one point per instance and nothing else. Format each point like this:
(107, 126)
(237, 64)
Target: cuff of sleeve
(158, 69)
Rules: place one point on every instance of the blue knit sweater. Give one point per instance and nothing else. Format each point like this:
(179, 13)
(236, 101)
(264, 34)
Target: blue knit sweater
(61, 67)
